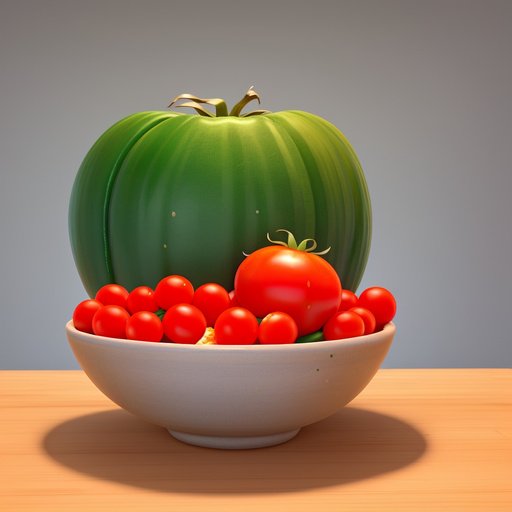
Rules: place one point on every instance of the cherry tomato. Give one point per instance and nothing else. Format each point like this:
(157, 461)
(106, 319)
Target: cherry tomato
(184, 323)
(380, 302)
(277, 327)
(112, 295)
(83, 314)
(296, 282)
(368, 318)
(172, 290)
(212, 299)
(236, 326)
(141, 298)
(110, 321)
(348, 300)
(346, 324)
(144, 326)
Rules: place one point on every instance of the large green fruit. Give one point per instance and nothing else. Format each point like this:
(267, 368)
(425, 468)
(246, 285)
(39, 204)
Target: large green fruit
(165, 193)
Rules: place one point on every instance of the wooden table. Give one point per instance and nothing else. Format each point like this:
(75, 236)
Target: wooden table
(413, 440)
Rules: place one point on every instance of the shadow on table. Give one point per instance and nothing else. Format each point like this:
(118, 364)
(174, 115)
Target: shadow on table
(352, 445)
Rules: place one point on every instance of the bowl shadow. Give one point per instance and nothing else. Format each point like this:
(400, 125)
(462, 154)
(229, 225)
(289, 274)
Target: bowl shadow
(352, 445)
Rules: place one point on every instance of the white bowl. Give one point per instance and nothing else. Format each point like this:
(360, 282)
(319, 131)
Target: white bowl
(234, 396)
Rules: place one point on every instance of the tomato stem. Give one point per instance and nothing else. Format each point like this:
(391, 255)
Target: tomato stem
(291, 243)
(250, 95)
(221, 108)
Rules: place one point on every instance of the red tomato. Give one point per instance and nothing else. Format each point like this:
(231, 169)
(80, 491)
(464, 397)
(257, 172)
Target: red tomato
(346, 324)
(277, 327)
(236, 326)
(380, 302)
(83, 314)
(368, 318)
(296, 282)
(348, 300)
(110, 321)
(144, 326)
(141, 298)
(212, 299)
(112, 295)
(172, 290)
(184, 323)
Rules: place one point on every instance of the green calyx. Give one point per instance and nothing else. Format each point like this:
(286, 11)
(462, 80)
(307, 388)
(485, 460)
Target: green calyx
(291, 243)
(221, 108)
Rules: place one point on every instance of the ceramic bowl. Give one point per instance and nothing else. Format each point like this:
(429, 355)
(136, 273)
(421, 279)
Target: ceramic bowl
(231, 396)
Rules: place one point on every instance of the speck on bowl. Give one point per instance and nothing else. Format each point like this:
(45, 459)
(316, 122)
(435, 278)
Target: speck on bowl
(231, 396)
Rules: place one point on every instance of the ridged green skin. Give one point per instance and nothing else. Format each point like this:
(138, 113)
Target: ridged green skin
(165, 193)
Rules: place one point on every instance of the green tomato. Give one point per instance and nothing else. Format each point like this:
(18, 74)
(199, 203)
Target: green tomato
(163, 193)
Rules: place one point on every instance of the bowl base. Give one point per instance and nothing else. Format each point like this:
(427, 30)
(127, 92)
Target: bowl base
(234, 443)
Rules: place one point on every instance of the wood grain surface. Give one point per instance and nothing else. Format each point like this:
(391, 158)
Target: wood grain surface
(413, 440)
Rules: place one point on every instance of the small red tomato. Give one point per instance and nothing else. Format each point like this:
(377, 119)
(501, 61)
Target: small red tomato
(368, 318)
(110, 321)
(380, 302)
(141, 298)
(212, 299)
(112, 295)
(83, 314)
(276, 328)
(236, 326)
(348, 300)
(346, 324)
(172, 290)
(184, 323)
(144, 326)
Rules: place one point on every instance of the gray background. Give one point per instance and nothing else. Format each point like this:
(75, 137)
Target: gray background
(421, 89)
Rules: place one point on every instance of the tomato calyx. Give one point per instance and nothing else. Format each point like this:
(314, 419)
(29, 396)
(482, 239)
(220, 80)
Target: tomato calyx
(221, 108)
(291, 243)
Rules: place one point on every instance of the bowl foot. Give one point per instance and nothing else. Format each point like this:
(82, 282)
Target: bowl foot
(234, 443)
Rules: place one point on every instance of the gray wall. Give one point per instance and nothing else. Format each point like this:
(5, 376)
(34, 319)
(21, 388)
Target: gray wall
(421, 89)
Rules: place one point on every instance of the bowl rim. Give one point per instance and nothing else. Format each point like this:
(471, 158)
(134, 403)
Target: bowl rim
(368, 339)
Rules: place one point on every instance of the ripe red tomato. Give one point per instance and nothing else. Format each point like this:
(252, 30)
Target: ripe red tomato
(348, 300)
(83, 314)
(236, 326)
(110, 321)
(112, 295)
(346, 324)
(277, 327)
(144, 326)
(368, 318)
(172, 290)
(296, 282)
(212, 299)
(184, 323)
(380, 302)
(141, 298)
